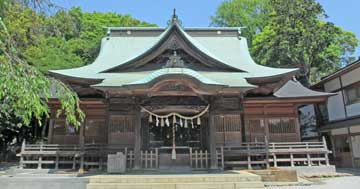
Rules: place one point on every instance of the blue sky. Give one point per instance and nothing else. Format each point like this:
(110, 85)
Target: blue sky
(196, 13)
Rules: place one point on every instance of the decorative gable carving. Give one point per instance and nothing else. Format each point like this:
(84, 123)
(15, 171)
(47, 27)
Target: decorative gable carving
(174, 86)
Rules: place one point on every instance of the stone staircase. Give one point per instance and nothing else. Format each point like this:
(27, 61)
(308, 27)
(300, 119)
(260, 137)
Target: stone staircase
(233, 180)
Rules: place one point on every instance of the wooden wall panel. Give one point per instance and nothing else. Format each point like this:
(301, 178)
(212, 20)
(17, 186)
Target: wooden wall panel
(260, 116)
(122, 130)
(228, 129)
(95, 112)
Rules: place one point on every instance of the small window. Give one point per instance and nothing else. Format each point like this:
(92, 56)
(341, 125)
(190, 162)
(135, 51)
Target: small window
(352, 95)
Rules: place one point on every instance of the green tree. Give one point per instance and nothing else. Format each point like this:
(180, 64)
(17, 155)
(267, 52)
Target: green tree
(291, 33)
(296, 36)
(252, 14)
(32, 41)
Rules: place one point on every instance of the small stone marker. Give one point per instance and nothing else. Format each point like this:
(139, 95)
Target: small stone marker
(116, 163)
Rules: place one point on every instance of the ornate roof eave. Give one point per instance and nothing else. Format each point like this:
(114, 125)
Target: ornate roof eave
(152, 87)
(272, 78)
(75, 80)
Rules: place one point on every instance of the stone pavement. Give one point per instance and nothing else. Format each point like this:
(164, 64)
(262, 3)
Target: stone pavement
(351, 182)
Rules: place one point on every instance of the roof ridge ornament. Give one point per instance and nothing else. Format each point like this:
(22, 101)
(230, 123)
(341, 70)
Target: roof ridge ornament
(174, 61)
(239, 30)
(174, 19)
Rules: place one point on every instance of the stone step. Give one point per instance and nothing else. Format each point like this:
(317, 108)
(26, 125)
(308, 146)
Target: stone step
(188, 178)
(226, 180)
(202, 185)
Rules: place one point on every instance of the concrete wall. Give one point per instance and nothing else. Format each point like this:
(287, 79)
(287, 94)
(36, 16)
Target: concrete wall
(332, 85)
(335, 106)
(350, 77)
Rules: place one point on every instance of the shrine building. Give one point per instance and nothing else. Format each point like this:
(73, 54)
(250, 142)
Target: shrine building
(162, 95)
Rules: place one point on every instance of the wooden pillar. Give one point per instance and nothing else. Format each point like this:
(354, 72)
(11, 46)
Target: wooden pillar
(82, 147)
(212, 141)
(137, 145)
(297, 124)
(326, 153)
(308, 156)
(22, 154)
(40, 157)
(50, 131)
(267, 152)
(351, 148)
(275, 160)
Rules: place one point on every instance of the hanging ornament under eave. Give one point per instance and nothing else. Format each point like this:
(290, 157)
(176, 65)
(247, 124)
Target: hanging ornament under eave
(150, 119)
(192, 124)
(173, 151)
(167, 122)
(181, 123)
(162, 122)
(157, 122)
(186, 123)
(198, 121)
(174, 119)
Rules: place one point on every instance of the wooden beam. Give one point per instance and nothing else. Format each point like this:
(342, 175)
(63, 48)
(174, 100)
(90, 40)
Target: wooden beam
(299, 100)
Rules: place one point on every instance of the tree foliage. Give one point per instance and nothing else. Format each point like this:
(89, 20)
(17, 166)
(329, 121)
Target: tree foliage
(252, 14)
(34, 40)
(292, 33)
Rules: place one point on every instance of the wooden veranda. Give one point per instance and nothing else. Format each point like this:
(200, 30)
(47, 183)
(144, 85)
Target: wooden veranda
(247, 155)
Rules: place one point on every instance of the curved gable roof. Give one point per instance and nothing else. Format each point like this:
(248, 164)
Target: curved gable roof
(228, 51)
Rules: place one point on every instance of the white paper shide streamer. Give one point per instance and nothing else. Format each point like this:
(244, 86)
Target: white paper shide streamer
(184, 121)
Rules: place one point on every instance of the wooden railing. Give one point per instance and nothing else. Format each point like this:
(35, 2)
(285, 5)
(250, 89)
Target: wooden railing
(200, 159)
(150, 159)
(88, 155)
(301, 153)
(277, 154)
(247, 154)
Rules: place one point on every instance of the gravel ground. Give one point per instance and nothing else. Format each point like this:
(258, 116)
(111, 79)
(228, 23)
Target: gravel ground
(351, 182)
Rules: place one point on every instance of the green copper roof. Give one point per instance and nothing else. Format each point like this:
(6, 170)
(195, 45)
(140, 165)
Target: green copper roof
(231, 51)
(228, 79)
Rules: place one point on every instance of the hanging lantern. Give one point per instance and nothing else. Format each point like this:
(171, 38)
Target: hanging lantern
(198, 121)
(150, 118)
(186, 123)
(167, 122)
(181, 123)
(192, 124)
(162, 122)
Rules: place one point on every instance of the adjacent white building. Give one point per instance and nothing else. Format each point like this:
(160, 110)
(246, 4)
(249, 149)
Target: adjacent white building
(339, 118)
